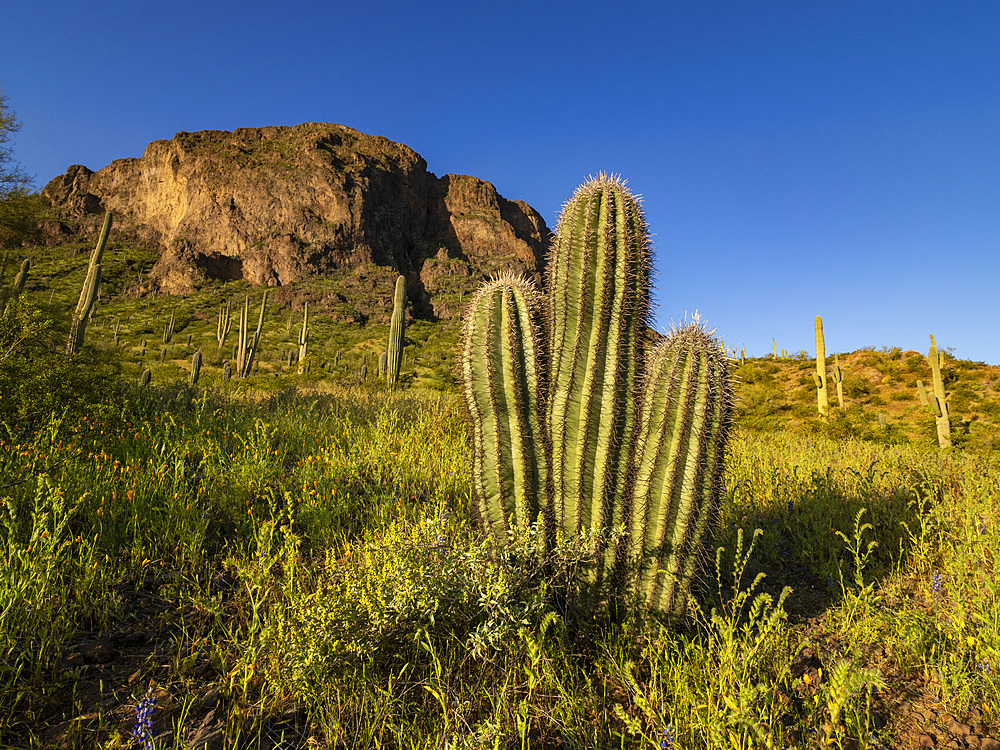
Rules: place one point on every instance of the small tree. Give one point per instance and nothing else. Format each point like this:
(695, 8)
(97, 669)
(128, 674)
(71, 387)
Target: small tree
(18, 207)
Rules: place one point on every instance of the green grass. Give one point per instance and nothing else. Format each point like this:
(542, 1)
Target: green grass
(295, 560)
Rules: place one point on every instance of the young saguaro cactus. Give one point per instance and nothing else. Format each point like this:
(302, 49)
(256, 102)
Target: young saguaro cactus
(822, 393)
(88, 295)
(168, 329)
(397, 329)
(503, 384)
(9, 295)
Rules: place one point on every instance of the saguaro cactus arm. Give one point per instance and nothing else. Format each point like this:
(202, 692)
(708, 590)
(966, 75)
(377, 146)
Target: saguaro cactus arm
(687, 411)
(598, 292)
(503, 384)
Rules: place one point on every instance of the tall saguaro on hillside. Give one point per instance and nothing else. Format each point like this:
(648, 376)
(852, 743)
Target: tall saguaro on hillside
(88, 295)
(822, 394)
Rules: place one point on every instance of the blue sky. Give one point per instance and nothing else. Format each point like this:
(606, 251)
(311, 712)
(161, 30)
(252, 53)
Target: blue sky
(795, 158)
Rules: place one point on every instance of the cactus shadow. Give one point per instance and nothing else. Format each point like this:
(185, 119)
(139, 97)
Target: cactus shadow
(799, 546)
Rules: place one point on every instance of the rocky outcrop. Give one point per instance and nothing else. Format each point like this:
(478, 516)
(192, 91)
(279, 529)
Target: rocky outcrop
(278, 204)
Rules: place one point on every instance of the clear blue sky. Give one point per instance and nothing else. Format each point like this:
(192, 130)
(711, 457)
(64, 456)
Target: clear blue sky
(837, 158)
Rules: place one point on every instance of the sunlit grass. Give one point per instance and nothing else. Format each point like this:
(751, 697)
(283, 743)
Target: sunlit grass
(358, 587)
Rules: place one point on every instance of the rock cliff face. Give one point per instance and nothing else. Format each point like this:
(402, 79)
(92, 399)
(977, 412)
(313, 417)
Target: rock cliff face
(275, 205)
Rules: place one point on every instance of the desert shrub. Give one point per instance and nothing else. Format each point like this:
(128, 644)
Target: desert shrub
(37, 379)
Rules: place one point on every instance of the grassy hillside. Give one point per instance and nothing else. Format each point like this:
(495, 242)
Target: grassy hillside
(295, 561)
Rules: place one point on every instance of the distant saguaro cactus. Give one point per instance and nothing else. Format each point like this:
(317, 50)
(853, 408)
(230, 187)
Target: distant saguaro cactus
(304, 338)
(397, 330)
(247, 347)
(195, 367)
(838, 380)
(822, 397)
(88, 295)
(168, 329)
(224, 326)
(938, 399)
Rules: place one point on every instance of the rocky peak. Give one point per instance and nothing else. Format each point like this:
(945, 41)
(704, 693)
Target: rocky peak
(275, 205)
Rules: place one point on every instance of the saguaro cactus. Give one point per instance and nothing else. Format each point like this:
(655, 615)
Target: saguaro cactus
(614, 448)
(304, 338)
(195, 367)
(168, 329)
(938, 400)
(225, 325)
(822, 397)
(88, 295)
(248, 346)
(838, 380)
(146, 376)
(397, 329)
(11, 294)
(504, 389)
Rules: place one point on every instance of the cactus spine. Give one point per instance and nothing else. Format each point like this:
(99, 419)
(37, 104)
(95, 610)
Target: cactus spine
(687, 408)
(822, 393)
(195, 367)
(247, 347)
(938, 399)
(304, 338)
(504, 390)
(88, 295)
(225, 325)
(397, 328)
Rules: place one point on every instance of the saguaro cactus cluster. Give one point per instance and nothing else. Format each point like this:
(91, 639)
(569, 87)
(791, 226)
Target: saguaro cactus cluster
(246, 349)
(88, 295)
(576, 429)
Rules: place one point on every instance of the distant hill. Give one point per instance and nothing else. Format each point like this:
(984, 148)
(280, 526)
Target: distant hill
(276, 205)
(779, 393)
